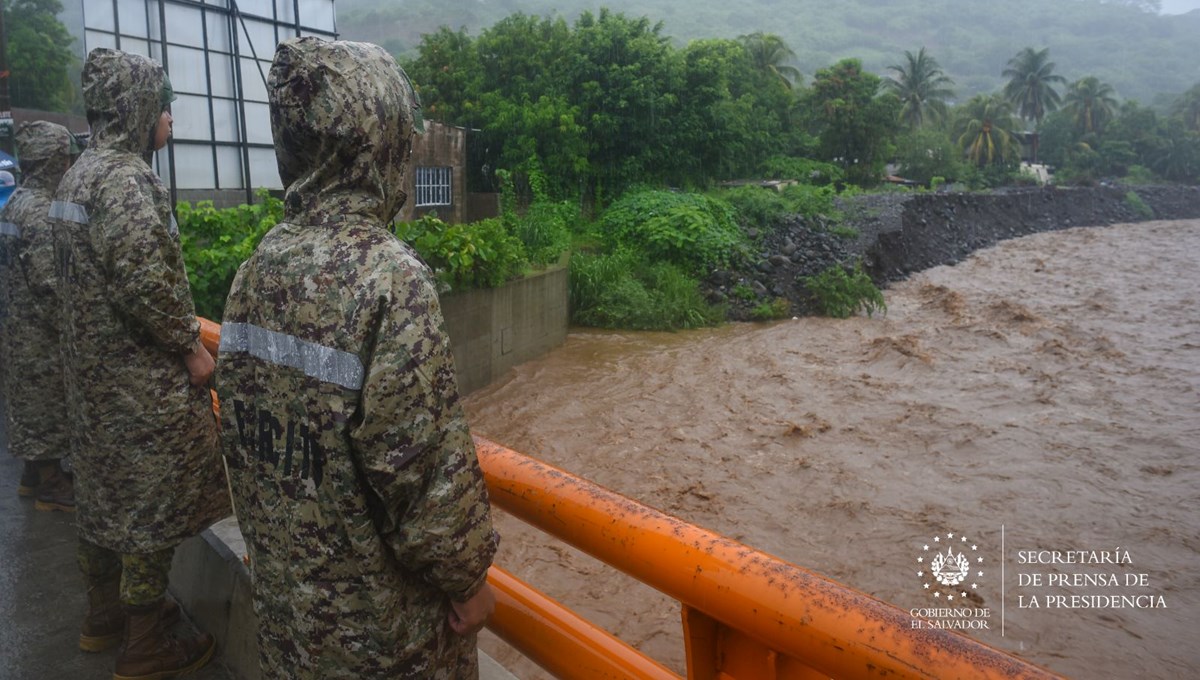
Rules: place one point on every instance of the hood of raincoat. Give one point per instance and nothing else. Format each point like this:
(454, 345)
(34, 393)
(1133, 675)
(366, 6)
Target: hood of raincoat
(342, 118)
(124, 95)
(44, 149)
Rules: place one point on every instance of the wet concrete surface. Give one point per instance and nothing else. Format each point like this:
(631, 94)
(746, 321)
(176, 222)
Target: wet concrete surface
(42, 595)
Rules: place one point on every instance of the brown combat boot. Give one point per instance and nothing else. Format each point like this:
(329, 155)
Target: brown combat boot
(104, 622)
(27, 488)
(150, 654)
(55, 491)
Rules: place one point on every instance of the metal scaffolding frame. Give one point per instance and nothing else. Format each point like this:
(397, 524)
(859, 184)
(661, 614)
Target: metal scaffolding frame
(217, 53)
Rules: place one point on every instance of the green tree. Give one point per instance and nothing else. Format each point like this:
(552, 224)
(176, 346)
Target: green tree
(770, 54)
(1187, 108)
(856, 128)
(625, 77)
(1090, 103)
(1030, 87)
(39, 55)
(984, 129)
(926, 153)
(446, 73)
(1177, 156)
(922, 88)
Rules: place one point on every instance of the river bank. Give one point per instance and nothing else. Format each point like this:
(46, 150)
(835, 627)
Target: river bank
(1040, 396)
(898, 234)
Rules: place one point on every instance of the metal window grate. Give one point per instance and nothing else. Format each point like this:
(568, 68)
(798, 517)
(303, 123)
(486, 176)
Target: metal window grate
(433, 186)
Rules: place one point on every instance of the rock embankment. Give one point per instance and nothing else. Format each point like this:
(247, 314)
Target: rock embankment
(896, 235)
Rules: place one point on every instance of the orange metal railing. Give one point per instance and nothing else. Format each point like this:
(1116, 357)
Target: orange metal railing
(746, 615)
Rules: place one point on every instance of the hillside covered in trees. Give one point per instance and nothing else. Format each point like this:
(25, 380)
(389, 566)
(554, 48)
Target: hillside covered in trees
(1123, 42)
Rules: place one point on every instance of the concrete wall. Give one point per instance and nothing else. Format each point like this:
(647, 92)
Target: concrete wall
(493, 330)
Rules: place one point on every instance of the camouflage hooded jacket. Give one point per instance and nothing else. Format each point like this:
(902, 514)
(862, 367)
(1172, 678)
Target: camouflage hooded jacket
(354, 475)
(147, 463)
(31, 376)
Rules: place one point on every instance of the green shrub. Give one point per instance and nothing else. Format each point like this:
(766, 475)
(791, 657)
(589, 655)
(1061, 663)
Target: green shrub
(1138, 206)
(840, 294)
(545, 229)
(811, 200)
(1137, 174)
(802, 169)
(478, 255)
(743, 292)
(756, 207)
(216, 242)
(926, 154)
(624, 290)
(692, 231)
(779, 308)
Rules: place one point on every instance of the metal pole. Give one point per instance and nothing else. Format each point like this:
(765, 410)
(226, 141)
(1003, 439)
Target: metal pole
(244, 137)
(6, 121)
(162, 33)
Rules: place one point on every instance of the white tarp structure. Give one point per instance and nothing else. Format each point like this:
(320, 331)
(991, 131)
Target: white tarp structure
(218, 53)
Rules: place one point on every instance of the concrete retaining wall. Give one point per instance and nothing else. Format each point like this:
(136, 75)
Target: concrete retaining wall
(493, 330)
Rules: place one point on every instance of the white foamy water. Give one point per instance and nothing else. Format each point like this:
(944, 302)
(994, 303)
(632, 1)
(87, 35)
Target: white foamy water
(1049, 385)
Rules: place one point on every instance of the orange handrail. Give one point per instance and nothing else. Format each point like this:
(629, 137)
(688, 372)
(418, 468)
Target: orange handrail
(820, 623)
(745, 614)
(561, 641)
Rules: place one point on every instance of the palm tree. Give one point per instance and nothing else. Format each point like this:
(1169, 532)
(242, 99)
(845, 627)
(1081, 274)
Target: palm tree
(1031, 87)
(1091, 104)
(922, 88)
(985, 130)
(769, 53)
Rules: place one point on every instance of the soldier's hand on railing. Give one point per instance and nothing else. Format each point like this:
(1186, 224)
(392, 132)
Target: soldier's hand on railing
(470, 616)
(200, 364)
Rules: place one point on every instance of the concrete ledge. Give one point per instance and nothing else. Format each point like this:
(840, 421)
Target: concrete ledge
(210, 581)
(492, 330)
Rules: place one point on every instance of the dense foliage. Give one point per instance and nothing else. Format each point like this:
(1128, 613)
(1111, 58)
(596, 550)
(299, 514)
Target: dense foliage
(692, 231)
(483, 254)
(1126, 44)
(608, 103)
(647, 252)
(216, 242)
(625, 289)
(39, 56)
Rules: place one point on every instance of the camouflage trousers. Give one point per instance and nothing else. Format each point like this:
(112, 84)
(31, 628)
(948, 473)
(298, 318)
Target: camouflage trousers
(143, 576)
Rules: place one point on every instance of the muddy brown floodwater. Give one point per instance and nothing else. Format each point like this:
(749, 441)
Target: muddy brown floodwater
(1049, 385)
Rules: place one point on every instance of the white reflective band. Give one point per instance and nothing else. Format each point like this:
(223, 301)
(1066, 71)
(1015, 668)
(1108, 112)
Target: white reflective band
(70, 212)
(316, 361)
(173, 228)
(9, 229)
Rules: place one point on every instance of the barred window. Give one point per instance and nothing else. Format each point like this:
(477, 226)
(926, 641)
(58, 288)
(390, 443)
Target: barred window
(433, 186)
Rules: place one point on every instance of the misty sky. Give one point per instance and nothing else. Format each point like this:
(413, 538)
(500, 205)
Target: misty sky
(1179, 6)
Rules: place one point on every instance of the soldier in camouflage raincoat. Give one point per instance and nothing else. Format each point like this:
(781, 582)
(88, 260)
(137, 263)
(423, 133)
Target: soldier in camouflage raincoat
(354, 474)
(147, 464)
(31, 376)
